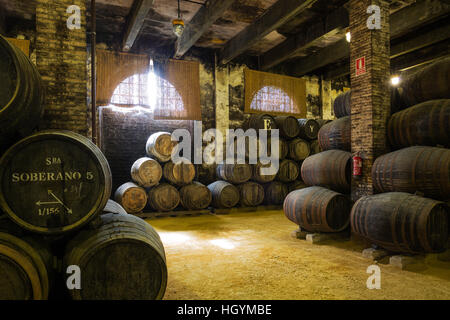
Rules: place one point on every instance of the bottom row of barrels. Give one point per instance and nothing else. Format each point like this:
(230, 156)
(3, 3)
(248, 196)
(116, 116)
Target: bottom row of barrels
(396, 221)
(196, 196)
(123, 258)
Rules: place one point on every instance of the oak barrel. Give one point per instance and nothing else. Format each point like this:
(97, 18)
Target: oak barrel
(283, 148)
(336, 135)
(402, 222)
(330, 169)
(299, 149)
(309, 128)
(289, 171)
(423, 169)
(296, 185)
(258, 175)
(26, 266)
(315, 147)
(160, 146)
(425, 124)
(180, 173)
(195, 196)
(21, 94)
(251, 194)
(288, 126)
(317, 209)
(224, 194)
(131, 197)
(261, 122)
(124, 259)
(275, 192)
(342, 104)
(163, 197)
(430, 82)
(234, 173)
(54, 182)
(146, 172)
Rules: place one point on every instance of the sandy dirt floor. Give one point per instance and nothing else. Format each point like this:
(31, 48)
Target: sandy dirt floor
(253, 256)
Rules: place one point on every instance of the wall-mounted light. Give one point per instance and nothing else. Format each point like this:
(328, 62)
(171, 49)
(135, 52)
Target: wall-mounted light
(348, 36)
(395, 80)
(178, 24)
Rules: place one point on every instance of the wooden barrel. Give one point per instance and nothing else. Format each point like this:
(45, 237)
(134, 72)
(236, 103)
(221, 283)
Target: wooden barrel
(342, 105)
(258, 176)
(261, 122)
(195, 196)
(246, 148)
(146, 172)
(163, 197)
(296, 185)
(426, 124)
(423, 169)
(131, 197)
(317, 209)
(336, 135)
(427, 83)
(160, 146)
(288, 126)
(124, 259)
(26, 267)
(251, 194)
(21, 94)
(330, 169)
(309, 128)
(299, 149)
(315, 147)
(323, 122)
(234, 173)
(180, 173)
(205, 173)
(54, 182)
(275, 192)
(283, 148)
(224, 194)
(289, 171)
(402, 222)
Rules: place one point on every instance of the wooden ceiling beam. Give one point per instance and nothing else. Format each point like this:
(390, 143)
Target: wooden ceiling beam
(331, 24)
(200, 24)
(277, 15)
(135, 22)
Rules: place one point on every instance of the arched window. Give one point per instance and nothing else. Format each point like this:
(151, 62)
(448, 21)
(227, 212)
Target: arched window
(272, 99)
(149, 91)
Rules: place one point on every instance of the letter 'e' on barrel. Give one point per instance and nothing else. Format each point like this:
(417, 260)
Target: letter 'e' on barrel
(317, 209)
(402, 222)
(54, 182)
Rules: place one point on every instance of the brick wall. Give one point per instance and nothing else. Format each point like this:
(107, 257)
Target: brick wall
(61, 60)
(370, 91)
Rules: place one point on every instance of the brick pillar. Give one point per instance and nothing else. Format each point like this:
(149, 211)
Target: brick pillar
(61, 61)
(370, 91)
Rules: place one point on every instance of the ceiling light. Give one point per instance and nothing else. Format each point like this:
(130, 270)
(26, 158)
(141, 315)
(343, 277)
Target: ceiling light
(395, 80)
(178, 24)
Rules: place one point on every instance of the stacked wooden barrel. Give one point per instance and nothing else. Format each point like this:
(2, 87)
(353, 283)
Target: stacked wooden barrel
(54, 190)
(411, 213)
(21, 95)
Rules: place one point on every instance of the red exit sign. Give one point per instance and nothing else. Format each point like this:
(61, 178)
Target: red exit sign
(360, 66)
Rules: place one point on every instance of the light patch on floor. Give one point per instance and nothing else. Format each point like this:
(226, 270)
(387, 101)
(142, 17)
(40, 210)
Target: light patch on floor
(252, 256)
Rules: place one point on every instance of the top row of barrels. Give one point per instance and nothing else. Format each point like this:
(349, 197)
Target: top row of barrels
(288, 126)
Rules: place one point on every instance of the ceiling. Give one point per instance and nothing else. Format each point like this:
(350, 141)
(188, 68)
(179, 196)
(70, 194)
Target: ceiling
(156, 33)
